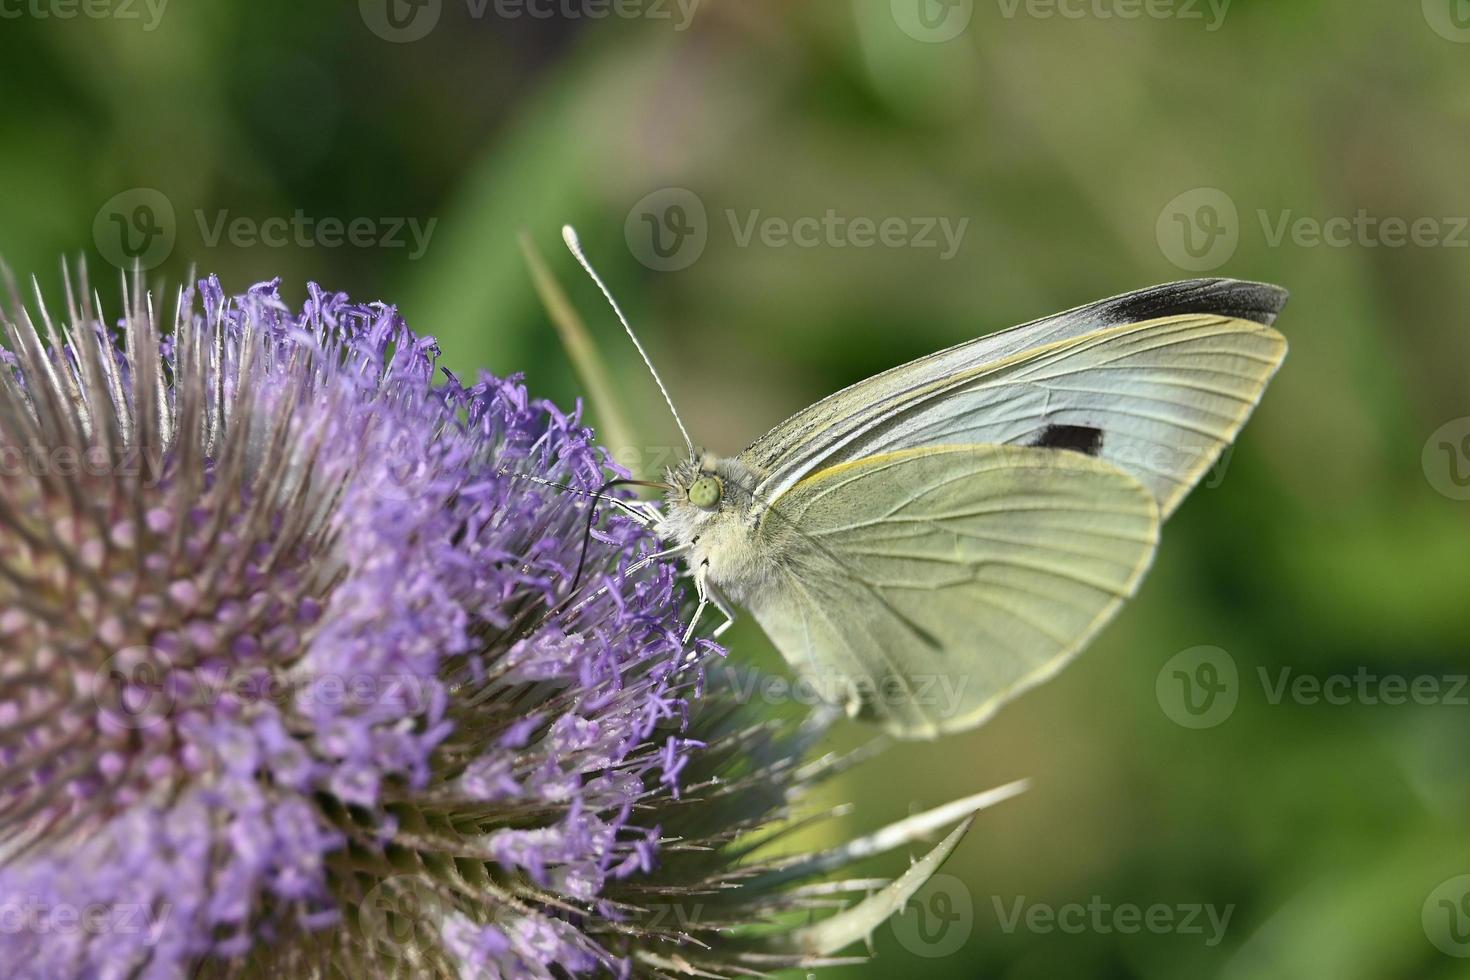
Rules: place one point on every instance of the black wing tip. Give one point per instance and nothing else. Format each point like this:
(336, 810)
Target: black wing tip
(1258, 302)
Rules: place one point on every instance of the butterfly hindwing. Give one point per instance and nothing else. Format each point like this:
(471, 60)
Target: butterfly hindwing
(925, 587)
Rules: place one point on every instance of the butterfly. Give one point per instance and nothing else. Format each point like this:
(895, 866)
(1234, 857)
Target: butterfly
(925, 545)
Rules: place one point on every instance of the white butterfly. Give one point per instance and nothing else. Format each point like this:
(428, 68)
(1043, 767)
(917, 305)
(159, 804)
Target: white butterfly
(963, 524)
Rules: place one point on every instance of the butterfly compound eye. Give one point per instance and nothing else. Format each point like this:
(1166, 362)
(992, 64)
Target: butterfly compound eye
(705, 492)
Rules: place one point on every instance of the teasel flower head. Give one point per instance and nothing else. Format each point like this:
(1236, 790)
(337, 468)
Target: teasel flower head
(293, 680)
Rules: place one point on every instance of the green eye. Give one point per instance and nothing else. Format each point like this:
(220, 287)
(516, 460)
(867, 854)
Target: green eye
(705, 492)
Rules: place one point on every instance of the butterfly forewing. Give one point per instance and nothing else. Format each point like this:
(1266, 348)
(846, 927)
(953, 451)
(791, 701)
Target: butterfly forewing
(925, 587)
(1159, 397)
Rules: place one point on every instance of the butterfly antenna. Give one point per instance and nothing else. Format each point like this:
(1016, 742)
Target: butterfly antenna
(600, 493)
(569, 235)
(594, 494)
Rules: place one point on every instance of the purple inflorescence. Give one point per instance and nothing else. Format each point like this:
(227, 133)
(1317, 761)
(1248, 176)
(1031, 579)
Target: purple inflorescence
(300, 620)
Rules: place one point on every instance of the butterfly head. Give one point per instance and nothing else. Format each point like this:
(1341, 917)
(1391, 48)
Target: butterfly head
(705, 491)
(700, 483)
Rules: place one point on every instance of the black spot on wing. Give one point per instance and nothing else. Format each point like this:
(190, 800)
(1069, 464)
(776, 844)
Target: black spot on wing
(1078, 438)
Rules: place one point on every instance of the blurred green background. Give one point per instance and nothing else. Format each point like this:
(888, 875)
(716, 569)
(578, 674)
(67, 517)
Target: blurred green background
(1090, 147)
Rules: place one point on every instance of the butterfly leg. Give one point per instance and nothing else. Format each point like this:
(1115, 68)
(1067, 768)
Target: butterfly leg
(701, 588)
(646, 512)
(709, 595)
(723, 605)
(647, 560)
